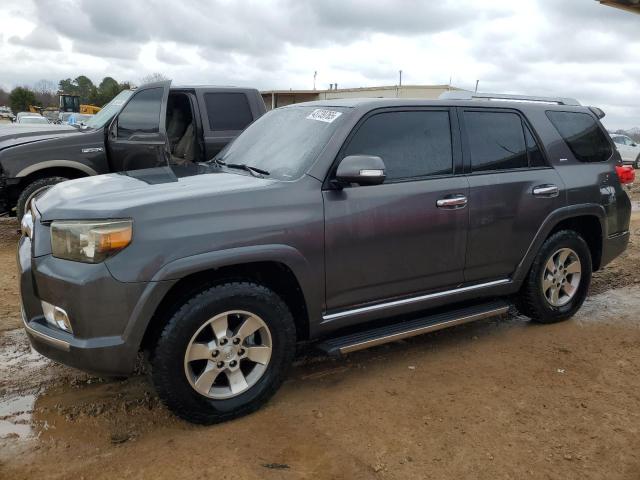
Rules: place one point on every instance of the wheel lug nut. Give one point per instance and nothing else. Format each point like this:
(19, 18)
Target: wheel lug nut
(223, 341)
(220, 364)
(236, 341)
(215, 353)
(233, 363)
(241, 351)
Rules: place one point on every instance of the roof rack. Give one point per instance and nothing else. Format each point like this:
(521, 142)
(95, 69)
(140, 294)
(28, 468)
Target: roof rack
(465, 95)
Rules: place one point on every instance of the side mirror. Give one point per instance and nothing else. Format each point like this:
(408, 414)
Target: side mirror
(634, 144)
(361, 169)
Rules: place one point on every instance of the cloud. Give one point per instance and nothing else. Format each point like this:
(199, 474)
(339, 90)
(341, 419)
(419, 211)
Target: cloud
(39, 39)
(170, 56)
(575, 48)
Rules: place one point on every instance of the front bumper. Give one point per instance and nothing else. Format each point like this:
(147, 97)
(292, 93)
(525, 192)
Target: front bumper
(100, 309)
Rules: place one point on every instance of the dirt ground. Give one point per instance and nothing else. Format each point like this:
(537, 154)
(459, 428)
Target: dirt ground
(499, 399)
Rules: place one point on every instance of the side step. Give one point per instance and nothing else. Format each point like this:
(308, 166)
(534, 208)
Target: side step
(397, 331)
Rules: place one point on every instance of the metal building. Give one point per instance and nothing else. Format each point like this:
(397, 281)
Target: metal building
(280, 98)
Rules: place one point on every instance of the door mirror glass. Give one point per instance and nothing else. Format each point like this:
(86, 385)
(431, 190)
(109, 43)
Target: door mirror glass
(361, 170)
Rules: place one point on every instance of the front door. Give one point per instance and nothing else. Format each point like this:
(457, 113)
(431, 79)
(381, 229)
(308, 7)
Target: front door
(512, 191)
(408, 235)
(137, 135)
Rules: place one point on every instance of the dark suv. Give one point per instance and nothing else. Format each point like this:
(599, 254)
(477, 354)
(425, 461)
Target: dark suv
(350, 222)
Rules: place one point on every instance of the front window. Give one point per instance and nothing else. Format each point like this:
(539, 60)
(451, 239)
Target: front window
(105, 115)
(285, 141)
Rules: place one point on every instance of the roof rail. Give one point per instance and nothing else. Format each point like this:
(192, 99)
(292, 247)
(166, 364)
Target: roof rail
(465, 95)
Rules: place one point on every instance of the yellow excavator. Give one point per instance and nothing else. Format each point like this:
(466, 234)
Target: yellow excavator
(71, 103)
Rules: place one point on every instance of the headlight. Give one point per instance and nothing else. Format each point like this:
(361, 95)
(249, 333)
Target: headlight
(89, 242)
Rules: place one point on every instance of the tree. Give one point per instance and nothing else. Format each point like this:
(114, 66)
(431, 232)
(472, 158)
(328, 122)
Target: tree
(45, 91)
(107, 89)
(86, 89)
(153, 77)
(4, 97)
(20, 98)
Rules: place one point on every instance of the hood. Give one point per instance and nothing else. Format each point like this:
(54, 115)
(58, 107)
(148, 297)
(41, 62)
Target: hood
(11, 135)
(119, 195)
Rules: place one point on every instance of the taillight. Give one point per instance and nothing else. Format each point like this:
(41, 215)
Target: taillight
(626, 174)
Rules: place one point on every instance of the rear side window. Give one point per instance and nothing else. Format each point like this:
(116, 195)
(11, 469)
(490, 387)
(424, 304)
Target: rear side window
(141, 114)
(580, 131)
(411, 144)
(496, 141)
(228, 111)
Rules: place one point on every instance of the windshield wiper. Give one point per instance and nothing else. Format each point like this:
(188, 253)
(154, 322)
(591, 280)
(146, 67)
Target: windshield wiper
(255, 171)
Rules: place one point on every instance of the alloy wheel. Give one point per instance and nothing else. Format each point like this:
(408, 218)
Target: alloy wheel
(228, 354)
(561, 277)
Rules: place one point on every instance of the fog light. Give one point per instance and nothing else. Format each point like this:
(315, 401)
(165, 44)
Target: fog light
(56, 317)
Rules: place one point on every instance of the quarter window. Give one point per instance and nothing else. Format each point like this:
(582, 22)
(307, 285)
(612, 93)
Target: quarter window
(412, 144)
(228, 111)
(536, 159)
(496, 141)
(582, 134)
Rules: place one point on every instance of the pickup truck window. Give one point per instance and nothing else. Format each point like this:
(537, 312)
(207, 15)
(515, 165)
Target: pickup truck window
(580, 131)
(228, 111)
(105, 115)
(496, 141)
(411, 144)
(285, 141)
(141, 114)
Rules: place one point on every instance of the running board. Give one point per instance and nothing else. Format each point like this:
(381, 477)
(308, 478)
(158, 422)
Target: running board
(398, 331)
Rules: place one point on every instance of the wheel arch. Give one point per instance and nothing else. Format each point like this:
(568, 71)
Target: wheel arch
(589, 220)
(274, 275)
(72, 167)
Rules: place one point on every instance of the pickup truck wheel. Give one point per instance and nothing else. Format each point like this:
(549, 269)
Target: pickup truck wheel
(559, 279)
(224, 353)
(34, 189)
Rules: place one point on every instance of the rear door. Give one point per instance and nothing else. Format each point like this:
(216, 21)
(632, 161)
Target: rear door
(407, 235)
(226, 113)
(137, 136)
(512, 189)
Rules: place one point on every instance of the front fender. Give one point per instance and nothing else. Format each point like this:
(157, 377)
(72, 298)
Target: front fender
(171, 273)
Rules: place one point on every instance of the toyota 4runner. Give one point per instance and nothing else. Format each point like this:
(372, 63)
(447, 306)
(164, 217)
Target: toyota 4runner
(346, 222)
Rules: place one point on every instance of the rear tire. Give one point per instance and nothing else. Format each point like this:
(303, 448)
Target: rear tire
(559, 278)
(32, 190)
(206, 370)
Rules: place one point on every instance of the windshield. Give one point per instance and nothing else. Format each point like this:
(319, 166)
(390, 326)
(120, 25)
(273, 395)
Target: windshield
(285, 141)
(101, 118)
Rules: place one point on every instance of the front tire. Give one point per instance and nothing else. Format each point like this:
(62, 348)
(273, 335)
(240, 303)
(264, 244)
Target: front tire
(224, 353)
(559, 279)
(32, 190)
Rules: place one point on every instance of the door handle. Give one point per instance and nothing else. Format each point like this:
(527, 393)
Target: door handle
(546, 191)
(452, 202)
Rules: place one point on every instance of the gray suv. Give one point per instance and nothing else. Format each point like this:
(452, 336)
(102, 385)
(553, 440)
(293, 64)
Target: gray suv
(348, 223)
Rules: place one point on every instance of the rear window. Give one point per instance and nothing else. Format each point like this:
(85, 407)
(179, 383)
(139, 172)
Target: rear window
(582, 134)
(228, 111)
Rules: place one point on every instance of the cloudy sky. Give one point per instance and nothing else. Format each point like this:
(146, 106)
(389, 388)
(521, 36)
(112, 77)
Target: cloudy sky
(575, 48)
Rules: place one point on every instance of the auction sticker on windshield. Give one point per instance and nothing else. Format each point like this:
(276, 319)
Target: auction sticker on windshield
(322, 115)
